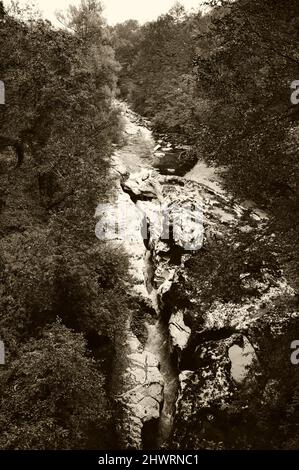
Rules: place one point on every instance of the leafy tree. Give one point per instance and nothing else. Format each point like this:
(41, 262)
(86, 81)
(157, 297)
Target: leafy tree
(60, 87)
(157, 68)
(126, 39)
(52, 396)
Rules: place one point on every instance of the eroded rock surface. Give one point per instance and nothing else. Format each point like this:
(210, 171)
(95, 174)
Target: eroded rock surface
(141, 383)
(215, 362)
(195, 362)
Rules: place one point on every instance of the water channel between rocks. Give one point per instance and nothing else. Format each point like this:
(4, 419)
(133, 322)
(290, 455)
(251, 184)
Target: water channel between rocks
(135, 155)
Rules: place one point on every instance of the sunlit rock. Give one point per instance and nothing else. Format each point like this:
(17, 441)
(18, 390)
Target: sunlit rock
(179, 332)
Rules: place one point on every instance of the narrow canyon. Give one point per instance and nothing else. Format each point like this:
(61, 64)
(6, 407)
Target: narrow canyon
(177, 378)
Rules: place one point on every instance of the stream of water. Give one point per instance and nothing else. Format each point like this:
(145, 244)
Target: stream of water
(136, 154)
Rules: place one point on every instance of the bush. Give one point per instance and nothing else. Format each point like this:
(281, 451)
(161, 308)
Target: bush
(52, 396)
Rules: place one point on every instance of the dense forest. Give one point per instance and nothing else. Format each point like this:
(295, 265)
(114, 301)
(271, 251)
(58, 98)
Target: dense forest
(222, 82)
(61, 289)
(219, 82)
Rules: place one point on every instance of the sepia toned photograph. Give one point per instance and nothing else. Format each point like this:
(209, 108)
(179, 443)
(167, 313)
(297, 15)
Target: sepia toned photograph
(149, 229)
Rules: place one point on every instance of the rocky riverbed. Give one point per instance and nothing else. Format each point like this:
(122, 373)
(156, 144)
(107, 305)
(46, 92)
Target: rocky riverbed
(178, 384)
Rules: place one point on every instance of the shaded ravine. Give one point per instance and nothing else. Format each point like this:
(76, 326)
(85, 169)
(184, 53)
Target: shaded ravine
(134, 156)
(152, 376)
(158, 344)
(158, 332)
(176, 376)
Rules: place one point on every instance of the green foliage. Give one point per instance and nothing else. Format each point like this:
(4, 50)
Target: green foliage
(157, 64)
(219, 272)
(52, 396)
(252, 58)
(85, 287)
(249, 126)
(126, 38)
(264, 413)
(60, 86)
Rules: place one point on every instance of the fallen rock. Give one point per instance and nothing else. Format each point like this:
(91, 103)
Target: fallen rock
(179, 332)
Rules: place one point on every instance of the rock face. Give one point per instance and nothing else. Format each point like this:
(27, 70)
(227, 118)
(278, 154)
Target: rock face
(141, 383)
(179, 332)
(142, 390)
(172, 225)
(185, 376)
(142, 401)
(219, 359)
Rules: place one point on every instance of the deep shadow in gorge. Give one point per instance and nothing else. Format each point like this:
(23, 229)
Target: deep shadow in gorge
(149, 434)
